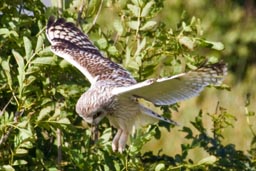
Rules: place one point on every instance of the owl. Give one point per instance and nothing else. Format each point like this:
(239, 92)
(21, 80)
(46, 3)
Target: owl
(114, 93)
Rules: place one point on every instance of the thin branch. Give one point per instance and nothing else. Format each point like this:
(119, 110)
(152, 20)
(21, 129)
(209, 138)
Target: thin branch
(94, 133)
(98, 12)
(7, 134)
(97, 15)
(3, 110)
(80, 12)
(59, 146)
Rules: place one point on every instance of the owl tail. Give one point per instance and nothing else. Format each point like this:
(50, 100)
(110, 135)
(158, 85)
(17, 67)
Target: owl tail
(152, 116)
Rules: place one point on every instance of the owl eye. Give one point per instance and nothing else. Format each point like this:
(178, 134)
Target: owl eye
(97, 114)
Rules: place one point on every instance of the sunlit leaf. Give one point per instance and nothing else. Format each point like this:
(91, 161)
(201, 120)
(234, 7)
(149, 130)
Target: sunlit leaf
(29, 80)
(113, 51)
(21, 151)
(6, 69)
(160, 167)
(147, 8)
(46, 52)
(44, 61)
(93, 6)
(4, 31)
(39, 43)
(44, 112)
(19, 59)
(7, 168)
(28, 47)
(149, 25)
(19, 162)
(118, 27)
(187, 42)
(102, 43)
(140, 47)
(208, 160)
(133, 25)
(210, 44)
(134, 9)
(62, 121)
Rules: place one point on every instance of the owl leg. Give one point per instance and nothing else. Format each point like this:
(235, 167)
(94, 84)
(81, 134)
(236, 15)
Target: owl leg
(116, 140)
(122, 141)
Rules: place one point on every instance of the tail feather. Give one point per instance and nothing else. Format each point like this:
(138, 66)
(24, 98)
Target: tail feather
(152, 114)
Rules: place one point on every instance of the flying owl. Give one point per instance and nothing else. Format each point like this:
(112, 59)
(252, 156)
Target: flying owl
(114, 93)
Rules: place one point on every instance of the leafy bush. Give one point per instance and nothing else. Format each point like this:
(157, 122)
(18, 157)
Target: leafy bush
(39, 128)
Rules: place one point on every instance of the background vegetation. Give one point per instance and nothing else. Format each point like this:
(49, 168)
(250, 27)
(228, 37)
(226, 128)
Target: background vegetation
(39, 129)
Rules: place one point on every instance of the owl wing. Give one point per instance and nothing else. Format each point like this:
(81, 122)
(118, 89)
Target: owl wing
(167, 91)
(68, 42)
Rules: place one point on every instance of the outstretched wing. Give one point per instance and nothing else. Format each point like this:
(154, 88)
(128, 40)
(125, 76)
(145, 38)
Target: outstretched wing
(170, 90)
(69, 42)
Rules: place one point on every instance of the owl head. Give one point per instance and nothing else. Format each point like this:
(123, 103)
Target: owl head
(90, 109)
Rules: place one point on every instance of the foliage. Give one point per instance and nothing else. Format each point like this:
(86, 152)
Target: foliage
(38, 90)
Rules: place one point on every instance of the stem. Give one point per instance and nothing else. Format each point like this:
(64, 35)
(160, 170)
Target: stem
(59, 146)
(94, 133)
(80, 12)
(7, 134)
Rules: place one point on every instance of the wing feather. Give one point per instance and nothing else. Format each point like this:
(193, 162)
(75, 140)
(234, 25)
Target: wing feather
(167, 91)
(68, 42)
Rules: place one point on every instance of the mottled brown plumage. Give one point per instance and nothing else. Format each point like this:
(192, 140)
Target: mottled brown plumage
(114, 93)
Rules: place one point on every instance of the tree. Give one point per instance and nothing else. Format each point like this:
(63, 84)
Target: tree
(39, 128)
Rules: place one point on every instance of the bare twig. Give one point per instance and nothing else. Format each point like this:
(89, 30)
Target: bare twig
(59, 146)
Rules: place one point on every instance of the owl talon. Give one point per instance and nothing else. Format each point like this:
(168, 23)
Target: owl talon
(116, 140)
(119, 141)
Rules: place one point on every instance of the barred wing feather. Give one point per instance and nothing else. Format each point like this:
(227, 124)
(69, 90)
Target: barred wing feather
(167, 91)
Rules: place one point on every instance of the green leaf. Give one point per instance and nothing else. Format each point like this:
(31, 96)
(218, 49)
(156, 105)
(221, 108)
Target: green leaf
(160, 167)
(147, 8)
(208, 160)
(102, 43)
(187, 42)
(93, 6)
(4, 31)
(28, 47)
(44, 112)
(186, 27)
(61, 121)
(106, 135)
(19, 59)
(137, 2)
(210, 44)
(39, 43)
(29, 80)
(217, 45)
(118, 27)
(21, 76)
(134, 9)
(46, 52)
(20, 151)
(133, 24)
(44, 60)
(6, 69)
(149, 25)
(7, 168)
(140, 47)
(19, 162)
(113, 51)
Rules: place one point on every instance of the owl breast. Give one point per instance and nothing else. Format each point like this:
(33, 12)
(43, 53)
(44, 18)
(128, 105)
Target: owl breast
(123, 113)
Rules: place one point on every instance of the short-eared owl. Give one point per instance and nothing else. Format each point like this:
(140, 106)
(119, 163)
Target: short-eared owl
(114, 93)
